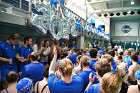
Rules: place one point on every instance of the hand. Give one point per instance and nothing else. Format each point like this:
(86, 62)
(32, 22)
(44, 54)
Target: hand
(43, 49)
(21, 59)
(54, 50)
(70, 52)
(10, 61)
(91, 79)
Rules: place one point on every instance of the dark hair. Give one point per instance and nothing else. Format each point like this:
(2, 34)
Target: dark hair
(14, 36)
(27, 39)
(45, 42)
(73, 49)
(46, 72)
(38, 42)
(115, 49)
(120, 57)
(93, 52)
(79, 57)
(34, 56)
(102, 67)
(121, 53)
(134, 57)
(111, 52)
(136, 53)
(11, 77)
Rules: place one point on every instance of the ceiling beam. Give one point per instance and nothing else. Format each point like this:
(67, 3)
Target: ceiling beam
(116, 9)
(113, 1)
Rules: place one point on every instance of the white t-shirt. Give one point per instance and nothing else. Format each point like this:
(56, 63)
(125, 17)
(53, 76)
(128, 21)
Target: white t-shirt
(35, 48)
(47, 51)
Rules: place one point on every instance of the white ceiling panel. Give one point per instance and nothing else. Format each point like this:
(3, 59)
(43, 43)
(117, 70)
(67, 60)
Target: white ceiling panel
(98, 6)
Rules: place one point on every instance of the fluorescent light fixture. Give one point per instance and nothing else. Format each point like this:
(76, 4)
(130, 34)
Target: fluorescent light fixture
(132, 2)
(129, 12)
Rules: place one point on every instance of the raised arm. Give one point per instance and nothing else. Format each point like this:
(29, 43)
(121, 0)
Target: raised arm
(53, 63)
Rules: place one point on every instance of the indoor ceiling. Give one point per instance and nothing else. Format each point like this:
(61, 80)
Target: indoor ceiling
(114, 6)
(109, 4)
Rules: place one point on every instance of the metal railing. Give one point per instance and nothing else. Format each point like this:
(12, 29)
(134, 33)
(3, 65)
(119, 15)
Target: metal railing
(22, 4)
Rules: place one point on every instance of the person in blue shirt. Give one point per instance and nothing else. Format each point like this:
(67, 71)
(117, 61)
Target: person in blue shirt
(24, 52)
(114, 63)
(86, 71)
(8, 51)
(72, 56)
(127, 59)
(93, 54)
(68, 83)
(102, 67)
(34, 70)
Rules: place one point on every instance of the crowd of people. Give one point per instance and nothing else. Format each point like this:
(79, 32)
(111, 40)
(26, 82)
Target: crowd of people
(46, 67)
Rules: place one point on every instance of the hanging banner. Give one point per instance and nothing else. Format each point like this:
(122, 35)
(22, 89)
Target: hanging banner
(126, 29)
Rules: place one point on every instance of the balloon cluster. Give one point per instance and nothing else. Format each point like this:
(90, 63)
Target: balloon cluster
(63, 22)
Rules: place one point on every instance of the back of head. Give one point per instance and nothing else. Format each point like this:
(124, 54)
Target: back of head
(136, 53)
(108, 57)
(34, 56)
(25, 85)
(102, 67)
(111, 52)
(84, 61)
(11, 77)
(66, 67)
(93, 52)
(134, 57)
(73, 50)
(14, 36)
(111, 83)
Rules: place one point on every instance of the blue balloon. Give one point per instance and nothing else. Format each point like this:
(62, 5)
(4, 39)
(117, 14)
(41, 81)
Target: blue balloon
(78, 25)
(61, 2)
(137, 74)
(53, 3)
(99, 28)
(92, 21)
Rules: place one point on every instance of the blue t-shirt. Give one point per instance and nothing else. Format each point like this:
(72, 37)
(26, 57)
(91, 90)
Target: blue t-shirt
(8, 51)
(114, 66)
(33, 71)
(85, 76)
(128, 60)
(73, 58)
(58, 86)
(91, 64)
(24, 52)
(95, 88)
(139, 61)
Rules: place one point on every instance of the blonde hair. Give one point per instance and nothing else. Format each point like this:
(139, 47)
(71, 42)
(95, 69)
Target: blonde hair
(108, 57)
(111, 83)
(66, 67)
(84, 60)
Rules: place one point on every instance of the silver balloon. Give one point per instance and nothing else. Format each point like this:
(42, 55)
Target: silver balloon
(37, 21)
(72, 27)
(41, 7)
(56, 27)
(64, 27)
(41, 21)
